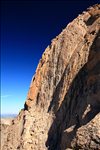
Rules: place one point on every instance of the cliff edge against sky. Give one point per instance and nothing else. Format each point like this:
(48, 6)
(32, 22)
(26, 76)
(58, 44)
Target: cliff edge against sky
(62, 109)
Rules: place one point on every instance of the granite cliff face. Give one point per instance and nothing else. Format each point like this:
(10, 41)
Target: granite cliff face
(62, 109)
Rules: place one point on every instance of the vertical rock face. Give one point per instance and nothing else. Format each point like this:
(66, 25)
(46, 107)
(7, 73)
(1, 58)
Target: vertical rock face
(63, 102)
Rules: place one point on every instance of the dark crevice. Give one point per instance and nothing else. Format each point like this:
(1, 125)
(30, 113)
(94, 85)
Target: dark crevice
(37, 99)
(92, 19)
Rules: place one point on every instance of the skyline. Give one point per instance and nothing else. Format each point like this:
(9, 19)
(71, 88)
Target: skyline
(27, 28)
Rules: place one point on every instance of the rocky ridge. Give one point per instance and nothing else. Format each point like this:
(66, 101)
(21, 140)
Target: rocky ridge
(62, 109)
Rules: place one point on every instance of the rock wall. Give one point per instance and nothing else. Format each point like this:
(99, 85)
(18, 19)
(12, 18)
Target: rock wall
(63, 102)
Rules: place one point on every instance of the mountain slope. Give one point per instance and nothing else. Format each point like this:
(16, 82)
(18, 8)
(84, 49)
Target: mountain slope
(63, 102)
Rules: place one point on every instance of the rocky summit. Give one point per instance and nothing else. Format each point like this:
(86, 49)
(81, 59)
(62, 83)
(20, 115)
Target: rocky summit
(62, 109)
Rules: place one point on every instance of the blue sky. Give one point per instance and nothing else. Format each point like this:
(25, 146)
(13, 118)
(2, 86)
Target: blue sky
(27, 28)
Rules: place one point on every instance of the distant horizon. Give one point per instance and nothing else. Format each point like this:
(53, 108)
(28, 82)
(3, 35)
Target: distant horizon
(8, 115)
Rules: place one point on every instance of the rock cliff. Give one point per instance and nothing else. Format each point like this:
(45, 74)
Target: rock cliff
(62, 110)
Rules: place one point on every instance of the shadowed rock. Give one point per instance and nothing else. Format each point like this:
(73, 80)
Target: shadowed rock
(63, 103)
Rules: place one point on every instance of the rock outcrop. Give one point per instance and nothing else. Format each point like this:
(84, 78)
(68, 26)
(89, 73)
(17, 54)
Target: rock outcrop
(4, 126)
(62, 110)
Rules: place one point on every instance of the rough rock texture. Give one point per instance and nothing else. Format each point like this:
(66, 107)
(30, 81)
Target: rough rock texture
(4, 126)
(63, 103)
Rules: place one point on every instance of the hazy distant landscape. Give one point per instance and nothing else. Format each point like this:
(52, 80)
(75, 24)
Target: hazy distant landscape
(8, 115)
